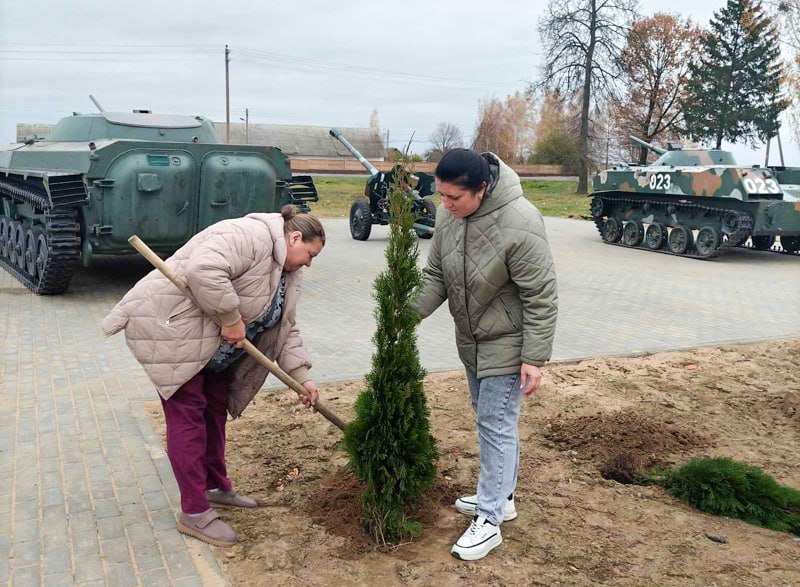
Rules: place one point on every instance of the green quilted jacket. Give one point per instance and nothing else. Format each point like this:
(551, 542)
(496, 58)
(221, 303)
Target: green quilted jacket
(496, 272)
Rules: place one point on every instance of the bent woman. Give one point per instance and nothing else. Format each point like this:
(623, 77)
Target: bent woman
(245, 276)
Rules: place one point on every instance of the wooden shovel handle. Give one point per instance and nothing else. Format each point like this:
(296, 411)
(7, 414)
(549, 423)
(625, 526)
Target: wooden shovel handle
(249, 347)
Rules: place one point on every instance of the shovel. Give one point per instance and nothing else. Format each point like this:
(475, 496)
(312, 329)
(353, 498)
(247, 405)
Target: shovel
(249, 347)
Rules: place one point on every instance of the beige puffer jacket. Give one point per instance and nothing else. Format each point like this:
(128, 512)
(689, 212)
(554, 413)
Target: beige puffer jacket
(233, 269)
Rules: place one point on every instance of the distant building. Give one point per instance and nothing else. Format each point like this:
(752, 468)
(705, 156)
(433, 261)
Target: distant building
(302, 142)
(308, 142)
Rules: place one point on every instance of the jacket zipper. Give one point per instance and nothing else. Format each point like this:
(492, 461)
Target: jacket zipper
(178, 314)
(466, 297)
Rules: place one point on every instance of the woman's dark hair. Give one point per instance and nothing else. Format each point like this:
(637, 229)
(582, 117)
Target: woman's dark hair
(309, 226)
(464, 168)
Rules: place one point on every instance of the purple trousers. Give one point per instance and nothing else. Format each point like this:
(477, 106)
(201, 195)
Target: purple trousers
(196, 416)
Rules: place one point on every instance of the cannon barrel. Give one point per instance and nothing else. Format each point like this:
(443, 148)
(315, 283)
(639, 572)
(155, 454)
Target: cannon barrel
(336, 134)
(646, 145)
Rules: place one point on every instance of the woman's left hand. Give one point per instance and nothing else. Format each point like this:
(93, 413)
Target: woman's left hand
(313, 394)
(530, 376)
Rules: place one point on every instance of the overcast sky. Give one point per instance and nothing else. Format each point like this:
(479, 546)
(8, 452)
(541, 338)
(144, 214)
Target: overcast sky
(312, 62)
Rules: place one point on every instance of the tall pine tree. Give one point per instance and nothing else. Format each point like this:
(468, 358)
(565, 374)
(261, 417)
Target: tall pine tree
(390, 445)
(734, 91)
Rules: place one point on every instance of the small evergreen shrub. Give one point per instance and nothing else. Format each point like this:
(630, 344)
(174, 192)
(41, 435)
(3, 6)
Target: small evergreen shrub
(729, 488)
(389, 442)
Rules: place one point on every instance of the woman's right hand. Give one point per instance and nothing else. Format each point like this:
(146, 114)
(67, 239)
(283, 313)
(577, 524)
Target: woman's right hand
(234, 334)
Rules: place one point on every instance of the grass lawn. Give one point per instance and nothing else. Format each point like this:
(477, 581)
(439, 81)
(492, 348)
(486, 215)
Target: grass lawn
(552, 197)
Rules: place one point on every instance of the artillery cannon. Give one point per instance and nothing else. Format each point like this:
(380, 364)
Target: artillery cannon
(696, 203)
(374, 209)
(100, 178)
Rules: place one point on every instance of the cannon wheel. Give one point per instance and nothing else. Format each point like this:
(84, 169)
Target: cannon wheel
(360, 220)
(428, 209)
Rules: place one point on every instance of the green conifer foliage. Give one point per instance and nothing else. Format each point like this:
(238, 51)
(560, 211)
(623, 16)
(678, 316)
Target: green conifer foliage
(729, 488)
(389, 442)
(734, 90)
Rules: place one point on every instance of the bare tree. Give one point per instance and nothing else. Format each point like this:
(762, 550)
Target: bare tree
(446, 136)
(506, 127)
(787, 13)
(375, 121)
(582, 41)
(656, 63)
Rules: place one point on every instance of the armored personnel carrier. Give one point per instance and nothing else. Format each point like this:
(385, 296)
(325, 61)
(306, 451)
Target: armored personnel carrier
(100, 178)
(697, 203)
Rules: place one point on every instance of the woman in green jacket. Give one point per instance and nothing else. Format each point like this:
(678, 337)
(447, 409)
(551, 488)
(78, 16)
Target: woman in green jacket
(491, 261)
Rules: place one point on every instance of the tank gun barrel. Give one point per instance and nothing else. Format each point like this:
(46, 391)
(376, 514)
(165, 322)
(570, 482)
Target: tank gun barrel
(96, 103)
(336, 134)
(647, 145)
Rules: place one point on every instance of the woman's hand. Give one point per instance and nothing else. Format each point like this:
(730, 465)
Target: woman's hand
(313, 394)
(234, 334)
(530, 376)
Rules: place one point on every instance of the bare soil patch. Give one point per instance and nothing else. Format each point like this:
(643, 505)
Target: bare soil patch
(574, 526)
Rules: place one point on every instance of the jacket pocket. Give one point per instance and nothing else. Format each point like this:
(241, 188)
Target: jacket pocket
(178, 312)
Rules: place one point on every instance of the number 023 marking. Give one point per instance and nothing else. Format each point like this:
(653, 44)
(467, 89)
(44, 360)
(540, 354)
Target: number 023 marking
(660, 181)
(758, 185)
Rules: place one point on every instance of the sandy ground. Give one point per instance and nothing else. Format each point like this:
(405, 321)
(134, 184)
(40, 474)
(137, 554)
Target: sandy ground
(574, 526)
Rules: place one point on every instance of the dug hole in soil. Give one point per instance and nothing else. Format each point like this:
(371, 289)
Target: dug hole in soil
(575, 527)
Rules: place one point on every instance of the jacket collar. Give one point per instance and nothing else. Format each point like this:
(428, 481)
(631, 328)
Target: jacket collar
(504, 186)
(274, 222)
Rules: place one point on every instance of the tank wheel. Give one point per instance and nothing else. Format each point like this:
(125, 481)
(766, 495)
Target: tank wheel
(42, 251)
(612, 230)
(4, 222)
(428, 209)
(790, 244)
(360, 220)
(680, 239)
(597, 207)
(707, 242)
(11, 234)
(763, 243)
(655, 236)
(19, 249)
(730, 223)
(632, 234)
(30, 252)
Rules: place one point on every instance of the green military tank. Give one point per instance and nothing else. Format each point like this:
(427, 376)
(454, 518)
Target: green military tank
(697, 203)
(100, 178)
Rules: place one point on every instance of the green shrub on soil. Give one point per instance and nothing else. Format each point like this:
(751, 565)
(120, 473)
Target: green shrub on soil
(729, 488)
(389, 442)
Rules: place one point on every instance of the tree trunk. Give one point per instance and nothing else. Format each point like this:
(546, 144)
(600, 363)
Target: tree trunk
(583, 142)
(643, 155)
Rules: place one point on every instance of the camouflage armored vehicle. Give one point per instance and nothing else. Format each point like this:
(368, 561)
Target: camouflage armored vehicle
(697, 203)
(100, 178)
(374, 209)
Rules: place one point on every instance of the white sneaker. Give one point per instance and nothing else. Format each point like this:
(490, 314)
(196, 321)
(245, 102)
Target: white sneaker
(469, 503)
(479, 540)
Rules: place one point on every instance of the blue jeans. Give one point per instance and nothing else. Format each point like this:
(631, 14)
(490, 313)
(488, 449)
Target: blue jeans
(496, 401)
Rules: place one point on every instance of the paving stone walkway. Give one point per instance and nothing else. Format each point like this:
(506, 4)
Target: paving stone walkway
(86, 492)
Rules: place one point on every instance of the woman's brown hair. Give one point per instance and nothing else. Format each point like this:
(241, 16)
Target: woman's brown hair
(307, 225)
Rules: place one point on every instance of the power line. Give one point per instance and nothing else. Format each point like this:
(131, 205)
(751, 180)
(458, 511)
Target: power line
(120, 53)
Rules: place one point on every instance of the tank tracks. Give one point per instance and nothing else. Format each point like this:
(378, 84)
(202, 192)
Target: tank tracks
(55, 256)
(738, 238)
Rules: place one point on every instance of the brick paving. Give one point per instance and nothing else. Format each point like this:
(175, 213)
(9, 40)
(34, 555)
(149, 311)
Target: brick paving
(86, 492)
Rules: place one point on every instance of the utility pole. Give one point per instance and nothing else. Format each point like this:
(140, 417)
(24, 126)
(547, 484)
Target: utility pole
(227, 96)
(780, 147)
